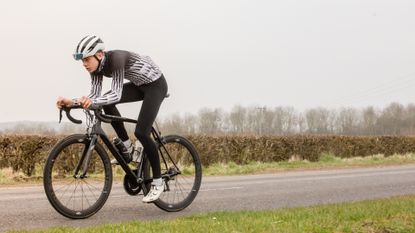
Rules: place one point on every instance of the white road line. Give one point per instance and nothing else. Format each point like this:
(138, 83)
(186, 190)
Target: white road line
(218, 189)
(331, 177)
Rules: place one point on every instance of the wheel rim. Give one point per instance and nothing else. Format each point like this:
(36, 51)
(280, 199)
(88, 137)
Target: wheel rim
(72, 192)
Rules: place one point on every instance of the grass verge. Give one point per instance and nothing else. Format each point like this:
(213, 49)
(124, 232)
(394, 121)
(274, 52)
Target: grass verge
(387, 215)
(326, 161)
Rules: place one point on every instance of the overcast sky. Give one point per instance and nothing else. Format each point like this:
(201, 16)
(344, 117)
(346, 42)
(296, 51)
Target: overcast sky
(300, 53)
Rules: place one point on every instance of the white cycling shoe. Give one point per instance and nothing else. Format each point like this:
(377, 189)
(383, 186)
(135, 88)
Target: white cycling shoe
(155, 192)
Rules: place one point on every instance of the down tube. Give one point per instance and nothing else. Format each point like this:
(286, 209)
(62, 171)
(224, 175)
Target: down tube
(119, 158)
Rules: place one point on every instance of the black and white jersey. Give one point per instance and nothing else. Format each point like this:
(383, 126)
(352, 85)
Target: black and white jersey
(119, 64)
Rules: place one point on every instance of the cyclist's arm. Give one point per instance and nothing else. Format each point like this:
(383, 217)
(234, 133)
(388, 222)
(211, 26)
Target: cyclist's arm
(116, 67)
(96, 86)
(116, 89)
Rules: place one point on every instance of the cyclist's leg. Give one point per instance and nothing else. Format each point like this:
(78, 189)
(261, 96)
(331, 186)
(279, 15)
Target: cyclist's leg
(154, 94)
(130, 93)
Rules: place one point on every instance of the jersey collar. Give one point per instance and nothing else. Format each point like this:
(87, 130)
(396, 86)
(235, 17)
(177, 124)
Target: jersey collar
(101, 63)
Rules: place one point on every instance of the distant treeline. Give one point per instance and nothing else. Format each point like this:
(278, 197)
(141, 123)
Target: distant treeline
(394, 119)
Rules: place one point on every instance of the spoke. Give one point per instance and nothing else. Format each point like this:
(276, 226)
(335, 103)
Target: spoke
(89, 187)
(82, 196)
(187, 180)
(176, 188)
(63, 185)
(74, 199)
(67, 189)
(182, 182)
(166, 195)
(76, 185)
(86, 196)
(99, 189)
(180, 187)
(173, 191)
(69, 185)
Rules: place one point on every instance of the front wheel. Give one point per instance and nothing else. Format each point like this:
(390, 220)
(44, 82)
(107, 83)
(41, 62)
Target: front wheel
(181, 170)
(71, 193)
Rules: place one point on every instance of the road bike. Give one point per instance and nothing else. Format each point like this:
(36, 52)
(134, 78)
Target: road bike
(78, 173)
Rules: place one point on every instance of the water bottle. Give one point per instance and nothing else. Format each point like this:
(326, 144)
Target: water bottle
(122, 149)
(138, 151)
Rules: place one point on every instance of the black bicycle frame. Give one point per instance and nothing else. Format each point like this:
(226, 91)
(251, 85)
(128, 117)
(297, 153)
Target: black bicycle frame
(97, 131)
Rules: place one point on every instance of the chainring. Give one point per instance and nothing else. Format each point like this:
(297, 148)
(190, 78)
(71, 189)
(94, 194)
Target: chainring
(131, 186)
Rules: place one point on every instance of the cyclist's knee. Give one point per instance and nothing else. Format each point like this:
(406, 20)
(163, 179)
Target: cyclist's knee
(141, 135)
(109, 109)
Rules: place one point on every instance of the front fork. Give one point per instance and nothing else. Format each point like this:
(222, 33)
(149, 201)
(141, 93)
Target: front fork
(86, 156)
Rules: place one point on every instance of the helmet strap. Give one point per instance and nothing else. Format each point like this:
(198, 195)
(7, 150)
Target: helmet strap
(99, 62)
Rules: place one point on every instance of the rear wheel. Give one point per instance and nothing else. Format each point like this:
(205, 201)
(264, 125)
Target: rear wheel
(181, 170)
(73, 195)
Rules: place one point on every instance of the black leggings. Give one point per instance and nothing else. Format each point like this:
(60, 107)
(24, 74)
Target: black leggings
(152, 95)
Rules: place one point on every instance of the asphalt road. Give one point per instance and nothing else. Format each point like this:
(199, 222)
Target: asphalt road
(28, 207)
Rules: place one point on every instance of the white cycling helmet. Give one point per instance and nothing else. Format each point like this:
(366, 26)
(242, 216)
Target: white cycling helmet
(88, 46)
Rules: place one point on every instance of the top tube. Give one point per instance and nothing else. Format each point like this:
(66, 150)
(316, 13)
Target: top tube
(109, 118)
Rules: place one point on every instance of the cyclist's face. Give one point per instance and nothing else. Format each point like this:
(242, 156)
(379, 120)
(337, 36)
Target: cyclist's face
(91, 63)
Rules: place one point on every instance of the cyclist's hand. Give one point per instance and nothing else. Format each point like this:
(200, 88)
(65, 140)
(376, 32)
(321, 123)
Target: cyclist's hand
(63, 102)
(85, 102)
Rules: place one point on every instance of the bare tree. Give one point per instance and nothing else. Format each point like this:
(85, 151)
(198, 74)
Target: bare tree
(369, 121)
(348, 121)
(189, 124)
(391, 119)
(210, 121)
(302, 123)
(237, 120)
(173, 124)
(317, 120)
(409, 127)
(285, 121)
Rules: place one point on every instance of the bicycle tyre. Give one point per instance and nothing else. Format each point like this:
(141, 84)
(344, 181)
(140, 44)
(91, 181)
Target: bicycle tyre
(49, 175)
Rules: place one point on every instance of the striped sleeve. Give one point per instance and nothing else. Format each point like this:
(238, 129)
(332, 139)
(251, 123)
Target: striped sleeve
(116, 89)
(96, 86)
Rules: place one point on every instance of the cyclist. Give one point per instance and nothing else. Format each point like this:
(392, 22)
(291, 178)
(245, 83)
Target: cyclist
(146, 83)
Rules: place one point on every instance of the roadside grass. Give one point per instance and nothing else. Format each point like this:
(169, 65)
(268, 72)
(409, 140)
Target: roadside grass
(386, 215)
(8, 177)
(326, 161)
